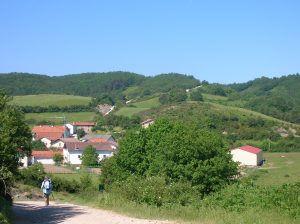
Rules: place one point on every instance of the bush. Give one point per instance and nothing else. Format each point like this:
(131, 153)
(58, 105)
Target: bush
(5, 211)
(89, 156)
(62, 184)
(179, 152)
(58, 158)
(242, 196)
(33, 175)
(196, 95)
(155, 191)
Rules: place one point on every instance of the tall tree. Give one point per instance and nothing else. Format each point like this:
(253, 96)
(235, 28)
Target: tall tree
(89, 156)
(15, 140)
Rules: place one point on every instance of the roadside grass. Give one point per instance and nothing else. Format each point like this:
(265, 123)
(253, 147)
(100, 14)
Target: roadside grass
(277, 165)
(279, 168)
(50, 116)
(178, 213)
(138, 107)
(44, 100)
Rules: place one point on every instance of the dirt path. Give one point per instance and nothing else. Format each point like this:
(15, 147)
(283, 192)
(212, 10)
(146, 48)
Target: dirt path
(35, 212)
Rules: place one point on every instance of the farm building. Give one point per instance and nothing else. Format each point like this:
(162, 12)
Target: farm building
(50, 132)
(86, 126)
(72, 151)
(247, 155)
(43, 157)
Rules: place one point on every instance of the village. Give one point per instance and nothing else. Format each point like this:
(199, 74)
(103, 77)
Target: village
(66, 141)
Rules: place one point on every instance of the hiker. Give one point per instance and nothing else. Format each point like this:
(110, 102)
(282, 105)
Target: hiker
(47, 188)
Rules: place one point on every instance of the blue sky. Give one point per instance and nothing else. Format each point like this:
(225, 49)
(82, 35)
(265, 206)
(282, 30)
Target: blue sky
(219, 41)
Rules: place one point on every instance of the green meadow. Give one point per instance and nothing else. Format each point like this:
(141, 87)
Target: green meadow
(134, 108)
(44, 100)
(56, 117)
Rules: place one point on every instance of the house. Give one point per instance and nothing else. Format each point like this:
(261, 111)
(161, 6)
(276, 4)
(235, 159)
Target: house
(72, 151)
(147, 123)
(62, 141)
(50, 132)
(247, 155)
(86, 126)
(44, 157)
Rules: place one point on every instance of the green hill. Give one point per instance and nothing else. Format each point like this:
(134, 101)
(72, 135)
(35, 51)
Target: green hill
(278, 97)
(92, 84)
(237, 125)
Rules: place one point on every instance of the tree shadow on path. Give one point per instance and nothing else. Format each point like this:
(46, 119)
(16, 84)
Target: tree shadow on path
(26, 213)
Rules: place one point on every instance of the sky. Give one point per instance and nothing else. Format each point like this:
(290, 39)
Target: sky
(218, 41)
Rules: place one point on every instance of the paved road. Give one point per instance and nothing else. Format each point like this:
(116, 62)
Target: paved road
(35, 212)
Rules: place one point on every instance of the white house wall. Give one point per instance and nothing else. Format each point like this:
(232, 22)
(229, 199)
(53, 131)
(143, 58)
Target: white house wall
(73, 156)
(47, 142)
(71, 128)
(44, 161)
(58, 144)
(244, 158)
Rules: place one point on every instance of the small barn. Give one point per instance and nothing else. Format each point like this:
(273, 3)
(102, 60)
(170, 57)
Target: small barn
(43, 157)
(247, 155)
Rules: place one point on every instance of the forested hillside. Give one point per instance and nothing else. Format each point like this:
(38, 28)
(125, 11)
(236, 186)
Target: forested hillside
(237, 125)
(92, 84)
(278, 97)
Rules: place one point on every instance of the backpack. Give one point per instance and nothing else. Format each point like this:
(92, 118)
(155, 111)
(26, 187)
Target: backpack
(48, 189)
(50, 185)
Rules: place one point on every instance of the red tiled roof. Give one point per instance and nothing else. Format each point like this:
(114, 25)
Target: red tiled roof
(45, 154)
(47, 128)
(100, 146)
(251, 149)
(84, 123)
(97, 140)
(49, 135)
(69, 140)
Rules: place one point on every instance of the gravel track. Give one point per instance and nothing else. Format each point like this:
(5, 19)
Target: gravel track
(35, 212)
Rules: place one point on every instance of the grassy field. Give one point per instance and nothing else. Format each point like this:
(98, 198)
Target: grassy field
(45, 100)
(70, 117)
(137, 107)
(279, 168)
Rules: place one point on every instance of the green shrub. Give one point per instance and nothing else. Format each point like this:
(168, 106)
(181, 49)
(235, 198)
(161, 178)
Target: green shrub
(33, 175)
(155, 191)
(179, 152)
(240, 197)
(5, 211)
(62, 184)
